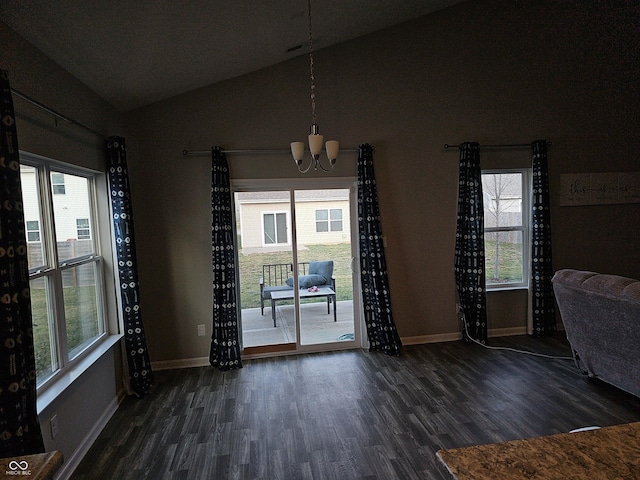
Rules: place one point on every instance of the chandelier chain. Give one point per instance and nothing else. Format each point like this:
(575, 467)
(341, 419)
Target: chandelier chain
(315, 138)
(313, 85)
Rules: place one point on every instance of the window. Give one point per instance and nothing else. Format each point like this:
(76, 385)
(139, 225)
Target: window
(33, 231)
(506, 227)
(275, 228)
(322, 221)
(329, 220)
(57, 183)
(84, 232)
(335, 219)
(65, 267)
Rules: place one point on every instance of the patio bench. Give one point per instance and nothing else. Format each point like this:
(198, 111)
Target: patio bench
(279, 277)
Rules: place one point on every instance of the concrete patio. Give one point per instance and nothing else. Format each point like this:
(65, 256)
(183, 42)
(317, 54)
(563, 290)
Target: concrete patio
(317, 326)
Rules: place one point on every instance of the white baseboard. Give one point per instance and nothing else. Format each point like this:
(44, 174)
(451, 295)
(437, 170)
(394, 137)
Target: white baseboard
(70, 464)
(417, 340)
(435, 338)
(182, 363)
(507, 332)
(452, 337)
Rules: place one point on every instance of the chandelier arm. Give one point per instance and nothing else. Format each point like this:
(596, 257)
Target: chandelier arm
(319, 164)
(306, 169)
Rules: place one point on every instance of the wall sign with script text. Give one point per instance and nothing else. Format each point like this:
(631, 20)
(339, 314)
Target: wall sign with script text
(599, 188)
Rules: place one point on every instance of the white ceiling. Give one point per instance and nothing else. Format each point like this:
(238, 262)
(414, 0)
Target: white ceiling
(135, 52)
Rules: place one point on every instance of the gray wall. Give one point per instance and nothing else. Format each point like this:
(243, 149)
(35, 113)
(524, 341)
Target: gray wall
(489, 71)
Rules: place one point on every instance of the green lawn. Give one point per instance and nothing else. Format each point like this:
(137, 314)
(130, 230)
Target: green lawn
(81, 315)
(510, 267)
(509, 262)
(42, 346)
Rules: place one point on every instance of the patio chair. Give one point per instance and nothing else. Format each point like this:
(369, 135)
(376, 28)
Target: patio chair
(278, 276)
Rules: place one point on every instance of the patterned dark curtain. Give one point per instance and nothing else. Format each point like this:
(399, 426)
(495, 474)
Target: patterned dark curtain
(20, 432)
(542, 298)
(225, 347)
(469, 253)
(376, 295)
(140, 373)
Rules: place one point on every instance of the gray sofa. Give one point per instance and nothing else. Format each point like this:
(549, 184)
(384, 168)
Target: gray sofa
(601, 316)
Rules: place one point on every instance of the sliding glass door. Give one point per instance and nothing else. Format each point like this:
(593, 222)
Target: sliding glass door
(295, 268)
(265, 262)
(324, 251)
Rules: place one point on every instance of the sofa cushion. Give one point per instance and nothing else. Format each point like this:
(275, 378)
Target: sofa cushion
(266, 291)
(306, 281)
(324, 268)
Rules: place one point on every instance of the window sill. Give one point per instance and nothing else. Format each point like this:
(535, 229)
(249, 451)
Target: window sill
(503, 288)
(52, 389)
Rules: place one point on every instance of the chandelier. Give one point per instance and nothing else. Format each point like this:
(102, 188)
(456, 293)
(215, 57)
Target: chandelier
(315, 138)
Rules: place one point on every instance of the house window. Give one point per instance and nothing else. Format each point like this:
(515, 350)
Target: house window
(275, 228)
(329, 220)
(84, 232)
(67, 291)
(506, 227)
(33, 230)
(57, 183)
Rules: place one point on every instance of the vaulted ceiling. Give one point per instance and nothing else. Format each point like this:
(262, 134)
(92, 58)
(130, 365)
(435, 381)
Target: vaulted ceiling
(133, 53)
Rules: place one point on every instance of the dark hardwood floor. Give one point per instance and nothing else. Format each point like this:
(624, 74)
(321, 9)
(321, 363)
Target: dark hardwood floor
(349, 414)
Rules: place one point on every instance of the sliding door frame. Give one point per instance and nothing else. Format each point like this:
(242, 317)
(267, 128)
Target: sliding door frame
(293, 184)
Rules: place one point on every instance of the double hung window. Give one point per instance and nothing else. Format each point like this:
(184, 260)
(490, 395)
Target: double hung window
(506, 227)
(65, 266)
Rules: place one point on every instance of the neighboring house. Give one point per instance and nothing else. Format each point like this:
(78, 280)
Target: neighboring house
(322, 217)
(71, 210)
(502, 198)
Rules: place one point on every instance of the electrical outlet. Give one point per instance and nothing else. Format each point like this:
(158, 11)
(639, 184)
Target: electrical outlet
(201, 331)
(53, 423)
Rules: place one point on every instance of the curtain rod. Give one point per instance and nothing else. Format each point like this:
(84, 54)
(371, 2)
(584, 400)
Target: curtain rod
(448, 146)
(55, 113)
(201, 153)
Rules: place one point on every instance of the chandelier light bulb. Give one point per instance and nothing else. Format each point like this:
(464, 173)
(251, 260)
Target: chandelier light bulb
(315, 141)
(297, 150)
(332, 147)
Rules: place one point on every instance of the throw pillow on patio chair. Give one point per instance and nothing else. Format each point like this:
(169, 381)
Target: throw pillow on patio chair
(320, 273)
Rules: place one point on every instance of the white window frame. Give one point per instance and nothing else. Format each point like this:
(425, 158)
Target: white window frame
(329, 221)
(524, 228)
(331, 229)
(322, 221)
(28, 231)
(55, 190)
(52, 269)
(82, 228)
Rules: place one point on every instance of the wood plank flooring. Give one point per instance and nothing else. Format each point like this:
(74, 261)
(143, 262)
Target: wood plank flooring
(349, 414)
